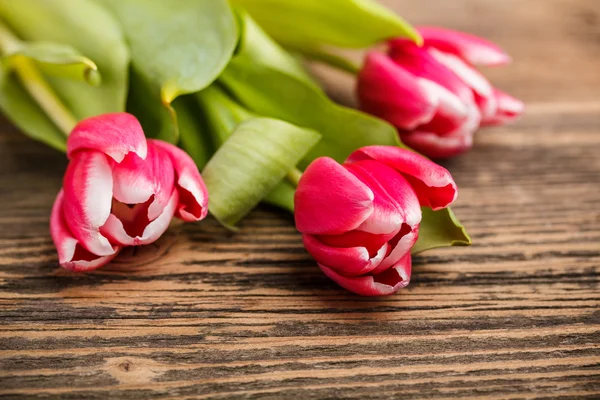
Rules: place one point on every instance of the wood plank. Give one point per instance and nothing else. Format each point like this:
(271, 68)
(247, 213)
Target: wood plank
(208, 313)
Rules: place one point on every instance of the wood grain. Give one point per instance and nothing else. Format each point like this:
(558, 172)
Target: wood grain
(209, 314)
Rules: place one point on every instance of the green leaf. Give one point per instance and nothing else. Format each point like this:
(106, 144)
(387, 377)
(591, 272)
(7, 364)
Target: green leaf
(440, 229)
(222, 113)
(256, 45)
(275, 94)
(181, 45)
(177, 47)
(195, 138)
(334, 60)
(88, 28)
(57, 60)
(305, 24)
(24, 112)
(158, 120)
(251, 163)
(178, 122)
(282, 196)
(259, 84)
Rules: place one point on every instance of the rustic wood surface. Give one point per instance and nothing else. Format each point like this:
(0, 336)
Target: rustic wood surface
(211, 314)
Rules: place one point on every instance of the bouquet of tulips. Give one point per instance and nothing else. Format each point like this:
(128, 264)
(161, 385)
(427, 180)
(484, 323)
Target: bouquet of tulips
(142, 95)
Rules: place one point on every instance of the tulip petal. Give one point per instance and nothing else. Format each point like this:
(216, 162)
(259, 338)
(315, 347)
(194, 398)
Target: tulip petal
(432, 183)
(400, 246)
(437, 146)
(388, 91)
(133, 218)
(372, 242)
(383, 284)
(484, 92)
(451, 112)
(115, 135)
(115, 229)
(395, 200)
(508, 109)
(71, 254)
(488, 107)
(419, 62)
(330, 200)
(470, 48)
(136, 180)
(193, 195)
(448, 145)
(347, 261)
(88, 187)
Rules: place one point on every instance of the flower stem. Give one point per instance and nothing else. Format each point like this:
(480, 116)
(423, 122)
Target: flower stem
(334, 60)
(34, 83)
(39, 89)
(293, 176)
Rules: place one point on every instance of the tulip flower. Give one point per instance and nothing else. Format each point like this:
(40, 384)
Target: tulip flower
(120, 190)
(433, 94)
(360, 220)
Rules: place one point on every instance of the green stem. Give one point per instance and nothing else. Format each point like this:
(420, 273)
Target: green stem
(282, 196)
(222, 112)
(34, 83)
(39, 89)
(334, 60)
(293, 176)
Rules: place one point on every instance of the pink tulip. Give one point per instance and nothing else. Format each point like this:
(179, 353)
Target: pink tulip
(433, 94)
(360, 220)
(120, 190)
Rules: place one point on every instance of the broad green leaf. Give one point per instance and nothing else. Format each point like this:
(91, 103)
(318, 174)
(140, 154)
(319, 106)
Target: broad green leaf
(440, 229)
(177, 47)
(24, 112)
(56, 59)
(88, 28)
(251, 163)
(181, 45)
(255, 80)
(305, 24)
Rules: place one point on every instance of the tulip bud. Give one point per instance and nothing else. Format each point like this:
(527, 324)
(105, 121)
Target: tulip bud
(433, 94)
(120, 190)
(360, 220)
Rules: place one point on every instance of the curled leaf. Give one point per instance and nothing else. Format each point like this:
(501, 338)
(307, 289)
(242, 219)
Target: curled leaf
(251, 163)
(223, 115)
(56, 60)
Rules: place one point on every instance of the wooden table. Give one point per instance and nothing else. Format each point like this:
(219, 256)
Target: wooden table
(209, 313)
